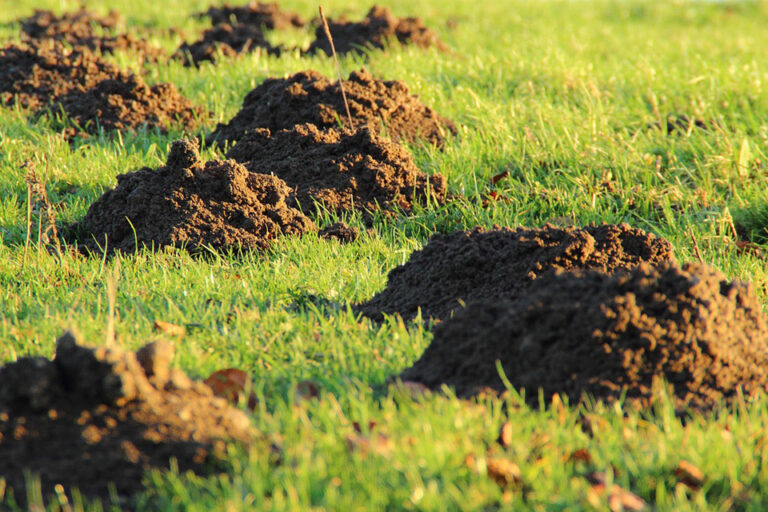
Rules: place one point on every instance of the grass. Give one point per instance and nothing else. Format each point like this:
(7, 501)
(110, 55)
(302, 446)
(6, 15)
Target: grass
(563, 95)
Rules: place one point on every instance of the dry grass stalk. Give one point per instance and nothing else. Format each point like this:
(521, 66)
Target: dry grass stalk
(338, 67)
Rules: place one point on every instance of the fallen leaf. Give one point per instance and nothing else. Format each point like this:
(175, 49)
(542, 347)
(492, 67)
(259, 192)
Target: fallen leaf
(504, 472)
(505, 434)
(689, 475)
(169, 328)
(619, 499)
(229, 383)
(497, 178)
(743, 247)
(580, 455)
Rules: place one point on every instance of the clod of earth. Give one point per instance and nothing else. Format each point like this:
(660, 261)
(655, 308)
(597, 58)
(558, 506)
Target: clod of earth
(258, 14)
(464, 267)
(340, 232)
(227, 40)
(588, 332)
(187, 203)
(98, 417)
(309, 97)
(343, 171)
(376, 30)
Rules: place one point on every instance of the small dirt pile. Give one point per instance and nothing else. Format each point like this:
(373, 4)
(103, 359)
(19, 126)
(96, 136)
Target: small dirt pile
(125, 102)
(258, 14)
(342, 170)
(464, 267)
(377, 28)
(589, 332)
(92, 418)
(227, 40)
(341, 232)
(34, 74)
(188, 203)
(309, 97)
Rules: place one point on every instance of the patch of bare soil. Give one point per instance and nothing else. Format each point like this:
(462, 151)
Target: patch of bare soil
(309, 97)
(98, 417)
(258, 14)
(343, 171)
(341, 232)
(187, 203)
(375, 31)
(588, 332)
(464, 267)
(227, 40)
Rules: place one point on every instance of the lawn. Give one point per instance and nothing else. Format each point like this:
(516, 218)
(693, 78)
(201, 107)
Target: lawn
(571, 99)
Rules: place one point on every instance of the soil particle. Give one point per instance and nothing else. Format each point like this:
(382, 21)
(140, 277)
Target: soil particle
(341, 232)
(309, 97)
(93, 418)
(604, 334)
(343, 171)
(227, 40)
(187, 203)
(258, 14)
(464, 267)
(375, 31)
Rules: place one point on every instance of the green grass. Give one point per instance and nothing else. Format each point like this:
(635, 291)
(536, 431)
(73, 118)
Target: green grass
(560, 94)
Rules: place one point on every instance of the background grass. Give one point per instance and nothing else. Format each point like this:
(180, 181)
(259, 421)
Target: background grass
(566, 96)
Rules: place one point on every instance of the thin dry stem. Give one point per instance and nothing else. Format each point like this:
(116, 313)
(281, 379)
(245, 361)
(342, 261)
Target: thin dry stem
(696, 246)
(338, 67)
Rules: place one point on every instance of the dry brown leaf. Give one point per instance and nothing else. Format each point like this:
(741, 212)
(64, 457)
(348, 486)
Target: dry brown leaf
(689, 475)
(504, 472)
(229, 383)
(505, 434)
(619, 499)
(580, 455)
(497, 178)
(169, 328)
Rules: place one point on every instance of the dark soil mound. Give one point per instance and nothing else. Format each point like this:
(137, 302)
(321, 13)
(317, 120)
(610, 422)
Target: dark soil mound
(92, 418)
(224, 39)
(309, 97)
(464, 267)
(340, 232)
(268, 15)
(79, 29)
(125, 102)
(377, 28)
(343, 170)
(590, 332)
(219, 204)
(35, 74)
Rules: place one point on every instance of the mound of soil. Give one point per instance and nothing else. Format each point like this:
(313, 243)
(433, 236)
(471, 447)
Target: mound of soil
(258, 14)
(464, 267)
(92, 418)
(340, 232)
(227, 40)
(34, 74)
(185, 203)
(343, 171)
(604, 334)
(125, 102)
(78, 29)
(375, 31)
(309, 97)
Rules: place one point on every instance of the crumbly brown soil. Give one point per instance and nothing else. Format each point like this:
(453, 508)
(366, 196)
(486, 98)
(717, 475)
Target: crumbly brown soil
(78, 29)
(92, 418)
(341, 232)
(187, 203)
(343, 171)
(464, 267)
(587, 332)
(309, 97)
(375, 30)
(268, 15)
(125, 102)
(34, 74)
(227, 40)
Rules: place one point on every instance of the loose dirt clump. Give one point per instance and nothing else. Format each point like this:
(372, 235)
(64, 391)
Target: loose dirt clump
(375, 31)
(309, 97)
(258, 14)
(343, 171)
(341, 232)
(227, 40)
(588, 332)
(35, 74)
(187, 203)
(125, 102)
(93, 418)
(465, 267)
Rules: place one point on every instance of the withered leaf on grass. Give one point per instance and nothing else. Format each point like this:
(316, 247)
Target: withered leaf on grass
(689, 475)
(503, 471)
(619, 499)
(229, 383)
(505, 434)
(169, 328)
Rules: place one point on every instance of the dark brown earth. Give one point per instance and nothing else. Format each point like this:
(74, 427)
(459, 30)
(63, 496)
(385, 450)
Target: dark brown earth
(587, 332)
(343, 171)
(34, 74)
(187, 203)
(125, 102)
(465, 267)
(91, 418)
(375, 31)
(309, 97)
(268, 15)
(79, 29)
(227, 40)
(341, 232)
